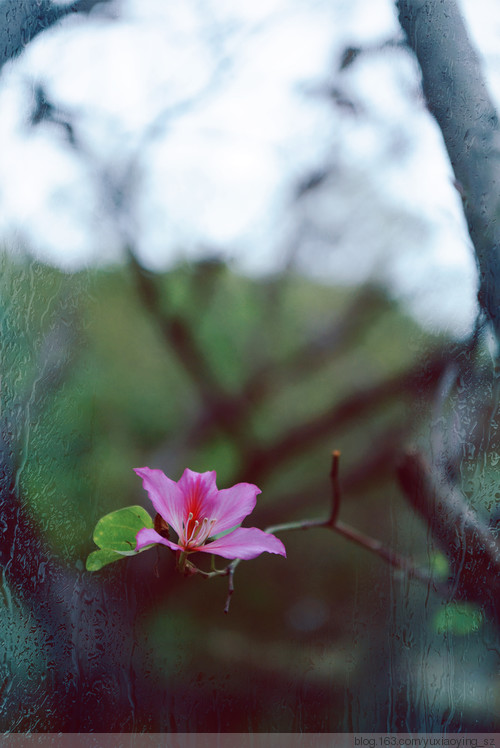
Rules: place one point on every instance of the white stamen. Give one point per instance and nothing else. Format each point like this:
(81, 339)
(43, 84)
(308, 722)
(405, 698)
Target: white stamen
(193, 532)
(185, 525)
(196, 534)
(205, 530)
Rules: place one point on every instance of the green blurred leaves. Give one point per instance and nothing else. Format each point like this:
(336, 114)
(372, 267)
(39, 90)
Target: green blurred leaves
(459, 619)
(440, 566)
(115, 535)
(114, 390)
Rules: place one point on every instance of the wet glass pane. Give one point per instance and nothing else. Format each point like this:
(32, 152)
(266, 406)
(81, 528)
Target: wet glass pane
(235, 239)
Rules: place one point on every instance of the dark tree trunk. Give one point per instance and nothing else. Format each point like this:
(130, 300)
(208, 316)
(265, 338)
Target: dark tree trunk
(22, 20)
(458, 98)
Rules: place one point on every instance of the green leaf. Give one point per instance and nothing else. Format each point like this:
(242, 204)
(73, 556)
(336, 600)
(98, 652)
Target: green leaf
(116, 531)
(458, 618)
(439, 566)
(115, 535)
(97, 559)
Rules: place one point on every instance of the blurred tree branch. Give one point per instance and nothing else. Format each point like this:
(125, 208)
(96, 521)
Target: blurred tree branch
(22, 20)
(472, 550)
(269, 457)
(386, 554)
(457, 96)
(366, 307)
(220, 405)
(376, 464)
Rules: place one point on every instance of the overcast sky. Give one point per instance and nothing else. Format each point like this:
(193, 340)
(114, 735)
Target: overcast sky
(236, 92)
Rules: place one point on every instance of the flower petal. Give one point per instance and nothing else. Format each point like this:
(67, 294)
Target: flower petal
(146, 536)
(165, 496)
(244, 543)
(233, 505)
(199, 492)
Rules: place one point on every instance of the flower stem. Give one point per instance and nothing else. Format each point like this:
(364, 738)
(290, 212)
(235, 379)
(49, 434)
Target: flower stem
(302, 524)
(336, 493)
(181, 561)
(373, 545)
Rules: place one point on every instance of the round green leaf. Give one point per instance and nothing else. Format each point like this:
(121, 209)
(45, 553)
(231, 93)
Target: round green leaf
(116, 531)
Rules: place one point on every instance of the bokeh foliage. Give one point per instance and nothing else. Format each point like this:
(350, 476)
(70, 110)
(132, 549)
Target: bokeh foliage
(258, 379)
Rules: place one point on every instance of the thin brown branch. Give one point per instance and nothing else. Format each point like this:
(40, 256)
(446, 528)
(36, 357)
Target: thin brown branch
(373, 545)
(370, 544)
(230, 586)
(391, 557)
(335, 484)
(377, 464)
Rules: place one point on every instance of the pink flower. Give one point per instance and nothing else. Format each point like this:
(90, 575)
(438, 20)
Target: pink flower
(197, 511)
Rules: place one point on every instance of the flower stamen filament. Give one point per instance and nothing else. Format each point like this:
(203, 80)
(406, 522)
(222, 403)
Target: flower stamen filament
(197, 533)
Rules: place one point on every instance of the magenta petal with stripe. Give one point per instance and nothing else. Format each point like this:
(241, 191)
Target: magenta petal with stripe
(166, 496)
(197, 511)
(234, 504)
(245, 543)
(147, 537)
